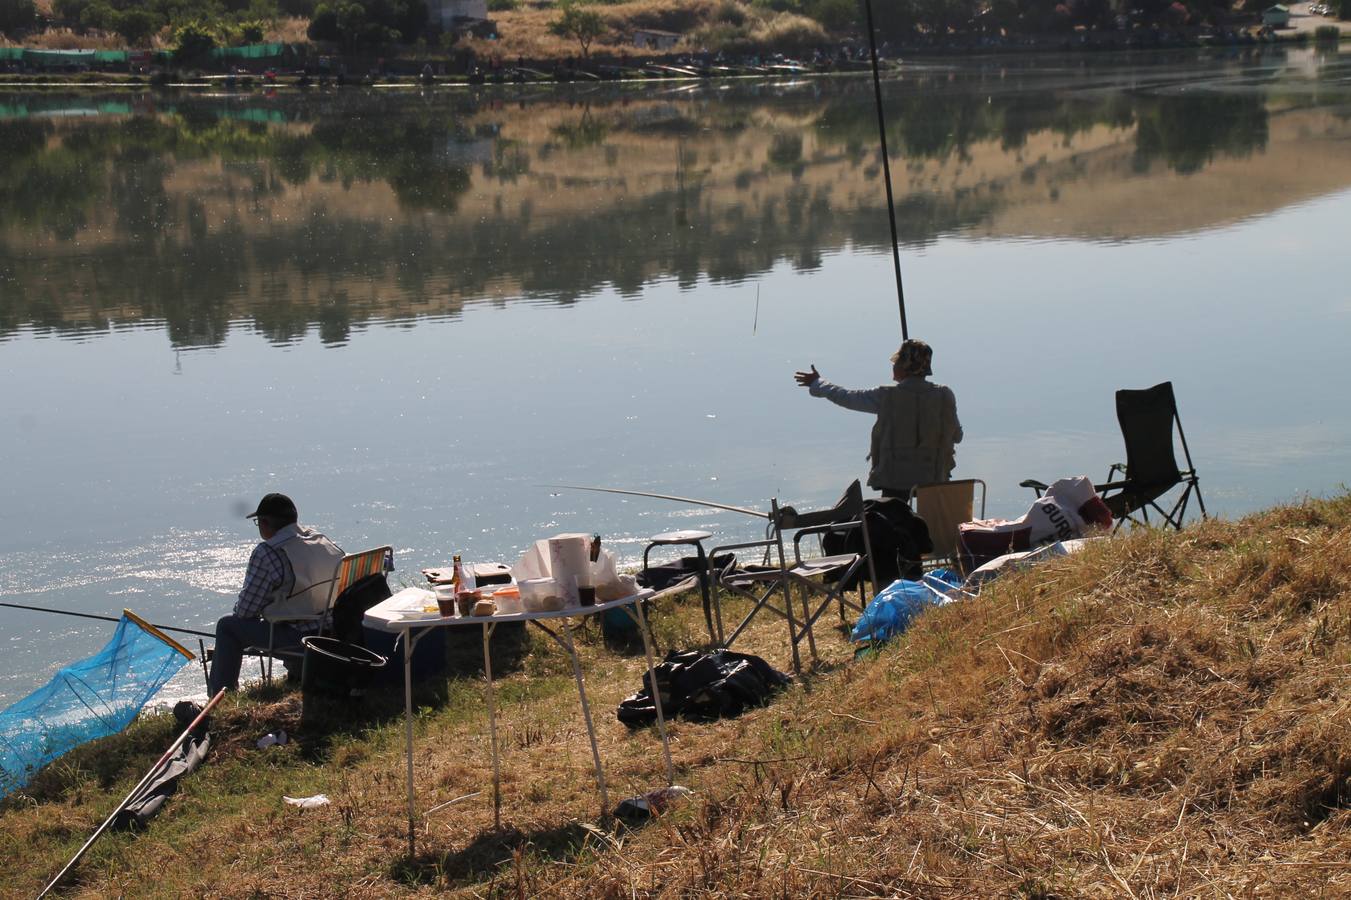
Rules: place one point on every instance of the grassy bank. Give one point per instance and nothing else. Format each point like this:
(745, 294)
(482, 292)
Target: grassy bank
(1162, 715)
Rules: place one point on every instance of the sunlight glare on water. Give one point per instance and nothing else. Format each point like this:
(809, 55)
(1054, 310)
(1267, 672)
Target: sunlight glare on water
(420, 314)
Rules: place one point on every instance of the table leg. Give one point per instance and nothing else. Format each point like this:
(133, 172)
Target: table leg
(656, 694)
(408, 641)
(586, 715)
(492, 724)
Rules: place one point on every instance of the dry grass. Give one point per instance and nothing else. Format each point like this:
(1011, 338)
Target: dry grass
(706, 24)
(1163, 715)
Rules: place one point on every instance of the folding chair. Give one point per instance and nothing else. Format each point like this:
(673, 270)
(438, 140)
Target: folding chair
(1147, 419)
(685, 573)
(776, 580)
(352, 568)
(943, 505)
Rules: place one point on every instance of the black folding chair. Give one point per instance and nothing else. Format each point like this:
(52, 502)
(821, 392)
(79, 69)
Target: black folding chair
(1147, 419)
(827, 578)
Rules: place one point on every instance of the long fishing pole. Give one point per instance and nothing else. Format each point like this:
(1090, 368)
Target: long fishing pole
(739, 509)
(886, 167)
(173, 748)
(66, 612)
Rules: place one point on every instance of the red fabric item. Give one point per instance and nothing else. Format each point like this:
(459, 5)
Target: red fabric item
(1095, 511)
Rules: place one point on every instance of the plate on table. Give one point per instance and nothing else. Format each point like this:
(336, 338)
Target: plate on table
(417, 615)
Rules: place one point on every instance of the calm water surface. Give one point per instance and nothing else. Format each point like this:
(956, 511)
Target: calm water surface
(414, 311)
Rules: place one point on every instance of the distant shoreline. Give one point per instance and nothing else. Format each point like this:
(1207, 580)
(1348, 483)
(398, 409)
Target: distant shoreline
(408, 72)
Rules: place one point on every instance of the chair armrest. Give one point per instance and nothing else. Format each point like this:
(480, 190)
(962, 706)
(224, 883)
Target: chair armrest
(318, 617)
(727, 548)
(819, 530)
(1038, 486)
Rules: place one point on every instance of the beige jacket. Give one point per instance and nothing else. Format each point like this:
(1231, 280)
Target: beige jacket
(915, 434)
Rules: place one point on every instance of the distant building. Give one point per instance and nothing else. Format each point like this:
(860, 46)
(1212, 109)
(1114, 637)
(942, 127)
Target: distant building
(1277, 16)
(454, 13)
(651, 39)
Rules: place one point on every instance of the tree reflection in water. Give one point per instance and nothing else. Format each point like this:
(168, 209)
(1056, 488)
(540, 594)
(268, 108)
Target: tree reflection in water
(326, 211)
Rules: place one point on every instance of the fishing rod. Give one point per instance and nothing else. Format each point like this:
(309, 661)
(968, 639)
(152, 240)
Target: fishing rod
(66, 612)
(886, 167)
(149, 776)
(739, 509)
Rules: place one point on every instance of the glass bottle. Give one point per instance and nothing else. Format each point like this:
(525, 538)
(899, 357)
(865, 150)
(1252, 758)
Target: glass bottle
(457, 577)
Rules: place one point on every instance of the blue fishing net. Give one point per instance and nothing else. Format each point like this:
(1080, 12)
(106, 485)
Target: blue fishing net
(85, 700)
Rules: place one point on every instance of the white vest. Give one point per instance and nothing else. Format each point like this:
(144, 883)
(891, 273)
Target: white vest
(912, 440)
(314, 561)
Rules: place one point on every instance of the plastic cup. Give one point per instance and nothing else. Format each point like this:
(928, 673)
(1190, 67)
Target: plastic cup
(445, 599)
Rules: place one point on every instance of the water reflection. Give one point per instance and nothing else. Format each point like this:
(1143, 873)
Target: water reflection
(327, 211)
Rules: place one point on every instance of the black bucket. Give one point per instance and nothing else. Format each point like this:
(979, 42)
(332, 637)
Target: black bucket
(336, 667)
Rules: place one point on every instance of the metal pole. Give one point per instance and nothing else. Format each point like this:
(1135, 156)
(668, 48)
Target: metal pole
(656, 694)
(886, 168)
(586, 715)
(408, 642)
(173, 748)
(492, 724)
(64, 612)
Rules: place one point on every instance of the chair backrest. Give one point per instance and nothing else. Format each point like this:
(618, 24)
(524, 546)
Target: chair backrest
(848, 509)
(355, 566)
(943, 506)
(1147, 418)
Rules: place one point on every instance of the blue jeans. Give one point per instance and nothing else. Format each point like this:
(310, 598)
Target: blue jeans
(233, 634)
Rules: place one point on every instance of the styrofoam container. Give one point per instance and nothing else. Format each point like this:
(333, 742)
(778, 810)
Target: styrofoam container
(540, 594)
(508, 601)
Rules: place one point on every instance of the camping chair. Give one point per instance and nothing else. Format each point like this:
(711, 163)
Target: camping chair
(943, 506)
(1147, 419)
(352, 568)
(686, 573)
(771, 586)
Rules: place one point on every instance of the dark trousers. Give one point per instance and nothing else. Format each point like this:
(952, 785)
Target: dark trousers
(233, 635)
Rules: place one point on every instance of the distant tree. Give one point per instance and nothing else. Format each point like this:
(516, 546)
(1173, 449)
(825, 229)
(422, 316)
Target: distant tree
(17, 14)
(69, 10)
(192, 41)
(98, 14)
(136, 26)
(582, 25)
(837, 15)
(368, 22)
(252, 31)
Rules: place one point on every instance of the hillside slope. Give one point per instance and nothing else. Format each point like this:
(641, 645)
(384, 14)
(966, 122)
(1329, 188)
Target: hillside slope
(1161, 715)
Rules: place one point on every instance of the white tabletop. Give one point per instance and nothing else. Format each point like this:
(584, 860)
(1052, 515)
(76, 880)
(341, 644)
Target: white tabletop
(385, 615)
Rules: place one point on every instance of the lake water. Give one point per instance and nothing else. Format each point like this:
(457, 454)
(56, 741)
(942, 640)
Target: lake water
(413, 311)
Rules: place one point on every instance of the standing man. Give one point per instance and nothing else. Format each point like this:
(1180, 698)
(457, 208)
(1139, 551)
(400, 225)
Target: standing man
(290, 573)
(916, 430)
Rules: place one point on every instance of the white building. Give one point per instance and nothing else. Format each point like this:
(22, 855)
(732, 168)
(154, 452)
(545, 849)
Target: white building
(1277, 16)
(450, 13)
(652, 39)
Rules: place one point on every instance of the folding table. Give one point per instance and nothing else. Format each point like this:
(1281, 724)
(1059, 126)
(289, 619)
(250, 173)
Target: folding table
(387, 616)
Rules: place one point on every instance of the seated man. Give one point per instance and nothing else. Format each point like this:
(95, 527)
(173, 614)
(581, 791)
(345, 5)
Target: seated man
(290, 572)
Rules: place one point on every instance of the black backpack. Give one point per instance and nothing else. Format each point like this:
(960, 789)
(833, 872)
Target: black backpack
(899, 540)
(703, 687)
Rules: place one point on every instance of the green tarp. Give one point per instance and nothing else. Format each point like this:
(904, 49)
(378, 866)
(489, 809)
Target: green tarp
(58, 57)
(248, 51)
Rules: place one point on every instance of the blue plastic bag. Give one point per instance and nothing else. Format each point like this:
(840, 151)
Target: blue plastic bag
(891, 611)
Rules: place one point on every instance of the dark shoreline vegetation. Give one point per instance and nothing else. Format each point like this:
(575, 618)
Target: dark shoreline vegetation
(1163, 714)
(119, 174)
(593, 38)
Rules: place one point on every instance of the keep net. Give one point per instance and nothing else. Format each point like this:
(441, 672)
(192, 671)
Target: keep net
(86, 700)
